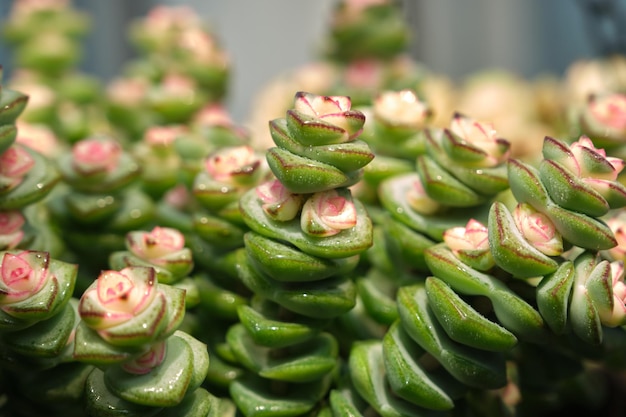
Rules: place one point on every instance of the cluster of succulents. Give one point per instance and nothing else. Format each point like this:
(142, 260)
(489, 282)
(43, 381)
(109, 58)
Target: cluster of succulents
(156, 259)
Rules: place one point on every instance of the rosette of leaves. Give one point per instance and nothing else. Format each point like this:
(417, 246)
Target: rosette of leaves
(175, 38)
(26, 178)
(375, 29)
(47, 39)
(461, 172)
(307, 234)
(143, 364)
(38, 317)
(218, 226)
(442, 346)
(369, 44)
(100, 200)
(601, 119)
(47, 35)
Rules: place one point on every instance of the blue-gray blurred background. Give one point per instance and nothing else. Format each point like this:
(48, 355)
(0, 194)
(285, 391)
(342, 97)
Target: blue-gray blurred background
(456, 38)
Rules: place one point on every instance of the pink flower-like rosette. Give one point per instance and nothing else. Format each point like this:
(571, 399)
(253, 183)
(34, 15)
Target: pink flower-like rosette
(15, 163)
(162, 248)
(227, 174)
(470, 244)
(581, 177)
(98, 164)
(317, 146)
(11, 229)
(464, 163)
(33, 287)
(327, 213)
(127, 310)
(278, 202)
(396, 128)
(603, 119)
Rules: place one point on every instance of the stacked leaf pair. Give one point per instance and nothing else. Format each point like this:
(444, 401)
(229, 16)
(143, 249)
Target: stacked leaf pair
(307, 232)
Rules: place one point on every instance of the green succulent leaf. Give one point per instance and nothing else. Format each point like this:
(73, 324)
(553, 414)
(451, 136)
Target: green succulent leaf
(274, 333)
(345, 244)
(310, 130)
(102, 402)
(569, 192)
(349, 156)
(165, 385)
(464, 324)
(581, 230)
(376, 299)
(8, 133)
(473, 367)
(511, 251)
(285, 263)
(47, 338)
(553, 296)
(217, 231)
(326, 298)
(253, 396)
(526, 185)
(12, 103)
(406, 376)
(441, 186)
(367, 369)
(392, 194)
(304, 175)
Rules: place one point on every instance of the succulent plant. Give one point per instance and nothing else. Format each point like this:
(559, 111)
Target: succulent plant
(99, 201)
(144, 365)
(47, 41)
(306, 235)
(38, 317)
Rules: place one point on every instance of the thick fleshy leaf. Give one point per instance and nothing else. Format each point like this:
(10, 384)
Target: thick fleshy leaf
(553, 295)
(8, 133)
(348, 156)
(345, 244)
(513, 313)
(326, 298)
(460, 150)
(569, 192)
(584, 318)
(311, 130)
(304, 175)
(464, 324)
(378, 301)
(46, 338)
(367, 370)
(255, 398)
(89, 347)
(127, 171)
(581, 230)
(37, 183)
(100, 401)
(406, 376)
(476, 368)
(12, 103)
(92, 209)
(217, 231)
(404, 245)
(165, 385)
(271, 332)
(213, 194)
(285, 263)
(526, 185)
(510, 249)
(441, 186)
(392, 193)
